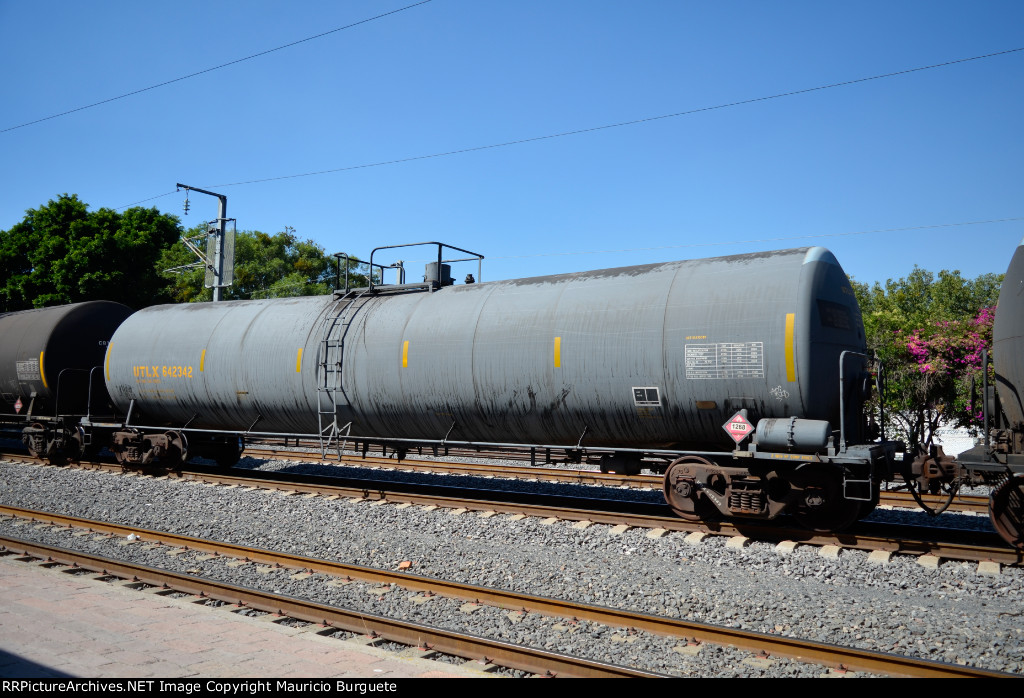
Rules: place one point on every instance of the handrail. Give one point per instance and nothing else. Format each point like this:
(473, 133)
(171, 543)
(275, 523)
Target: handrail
(842, 394)
(440, 260)
(369, 277)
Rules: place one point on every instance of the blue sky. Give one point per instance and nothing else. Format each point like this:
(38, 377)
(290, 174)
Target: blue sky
(914, 155)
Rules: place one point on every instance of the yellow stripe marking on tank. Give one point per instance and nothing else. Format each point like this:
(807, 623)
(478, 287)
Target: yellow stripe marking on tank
(202, 361)
(42, 373)
(298, 361)
(558, 352)
(107, 362)
(405, 354)
(790, 359)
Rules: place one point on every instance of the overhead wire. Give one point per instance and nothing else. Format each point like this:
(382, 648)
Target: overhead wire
(603, 127)
(724, 243)
(619, 124)
(216, 67)
(719, 243)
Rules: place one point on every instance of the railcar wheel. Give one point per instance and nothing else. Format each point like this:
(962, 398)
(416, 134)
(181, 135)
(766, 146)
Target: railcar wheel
(683, 485)
(76, 447)
(177, 447)
(820, 505)
(55, 455)
(944, 489)
(868, 508)
(65, 446)
(1006, 509)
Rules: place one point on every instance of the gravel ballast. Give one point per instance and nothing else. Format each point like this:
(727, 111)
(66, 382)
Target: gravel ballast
(951, 613)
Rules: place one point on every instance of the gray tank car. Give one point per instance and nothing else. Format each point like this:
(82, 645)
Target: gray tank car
(1008, 353)
(46, 361)
(999, 462)
(655, 355)
(682, 358)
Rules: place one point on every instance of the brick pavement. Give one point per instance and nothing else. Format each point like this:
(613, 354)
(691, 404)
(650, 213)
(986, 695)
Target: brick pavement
(53, 624)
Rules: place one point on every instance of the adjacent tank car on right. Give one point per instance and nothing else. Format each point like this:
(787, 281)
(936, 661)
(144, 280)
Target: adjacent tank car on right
(1000, 460)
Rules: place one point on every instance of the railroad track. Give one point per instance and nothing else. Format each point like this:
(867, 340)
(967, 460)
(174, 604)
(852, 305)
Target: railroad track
(892, 498)
(962, 503)
(949, 544)
(463, 645)
(526, 659)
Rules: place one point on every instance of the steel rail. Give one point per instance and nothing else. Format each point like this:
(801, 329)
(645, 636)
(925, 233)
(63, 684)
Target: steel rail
(802, 650)
(535, 661)
(866, 536)
(969, 503)
(578, 476)
(862, 539)
(961, 503)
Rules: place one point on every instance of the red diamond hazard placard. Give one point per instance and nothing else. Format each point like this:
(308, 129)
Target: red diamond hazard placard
(17, 406)
(738, 427)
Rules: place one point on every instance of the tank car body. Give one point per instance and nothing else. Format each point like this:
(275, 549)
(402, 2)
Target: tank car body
(655, 355)
(1000, 461)
(46, 361)
(1008, 356)
(638, 358)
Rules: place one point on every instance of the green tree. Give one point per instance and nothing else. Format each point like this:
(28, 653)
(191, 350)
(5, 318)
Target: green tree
(63, 253)
(928, 331)
(265, 266)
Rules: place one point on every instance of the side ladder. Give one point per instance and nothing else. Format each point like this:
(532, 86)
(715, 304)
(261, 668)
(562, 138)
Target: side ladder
(330, 382)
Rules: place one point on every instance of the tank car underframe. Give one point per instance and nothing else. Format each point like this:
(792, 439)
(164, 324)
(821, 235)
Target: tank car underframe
(133, 447)
(999, 462)
(61, 437)
(1004, 472)
(57, 439)
(144, 446)
(824, 493)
